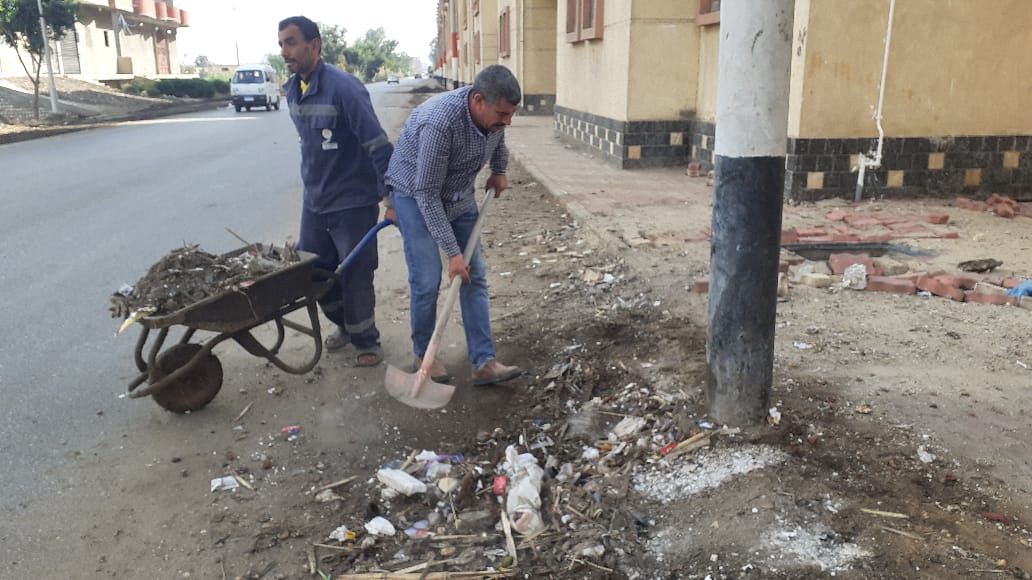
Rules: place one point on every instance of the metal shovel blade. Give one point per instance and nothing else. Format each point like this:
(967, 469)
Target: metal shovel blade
(417, 389)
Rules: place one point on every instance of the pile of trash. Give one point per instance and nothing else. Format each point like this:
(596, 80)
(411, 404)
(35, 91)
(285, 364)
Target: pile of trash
(189, 274)
(554, 495)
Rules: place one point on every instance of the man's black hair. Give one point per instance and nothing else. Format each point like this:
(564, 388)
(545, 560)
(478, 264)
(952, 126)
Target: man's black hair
(497, 82)
(308, 28)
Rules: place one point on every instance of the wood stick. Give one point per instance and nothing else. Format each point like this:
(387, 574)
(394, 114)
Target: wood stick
(244, 412)
(344, 481)
(510, 544)
(885, 514)
(431, 576)
(902, 533)
(593, 565)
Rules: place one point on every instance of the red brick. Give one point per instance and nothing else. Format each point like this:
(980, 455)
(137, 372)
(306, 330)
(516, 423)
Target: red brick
(997, 199)
(949, 236)
(907, 228)
(958, 281)
(929, 284)
(839, 263)
(789, 236)
(836, 216)
(876, 239)
(1025, 209)
(1010, 282)
(968, 280)
(700, 285)
(979, 206)
(811, 232)
(839, 228)
(845, 238)
(938, 218)
(896, 285)
(983, 298)
(861, 221)
(1003, 210)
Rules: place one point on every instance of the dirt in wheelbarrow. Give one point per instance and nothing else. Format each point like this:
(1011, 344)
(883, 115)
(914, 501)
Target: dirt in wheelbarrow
(894, 449)
(188, 274)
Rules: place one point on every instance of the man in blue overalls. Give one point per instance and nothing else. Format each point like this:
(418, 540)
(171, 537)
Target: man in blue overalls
(344, 154)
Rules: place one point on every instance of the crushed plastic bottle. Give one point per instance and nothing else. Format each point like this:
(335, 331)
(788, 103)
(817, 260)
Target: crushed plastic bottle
(400, 481)
(523, 501)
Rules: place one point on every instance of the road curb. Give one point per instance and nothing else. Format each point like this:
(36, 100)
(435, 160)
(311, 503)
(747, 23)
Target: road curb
(24, 133)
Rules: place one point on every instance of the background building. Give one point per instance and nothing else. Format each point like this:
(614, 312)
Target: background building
(635, 81)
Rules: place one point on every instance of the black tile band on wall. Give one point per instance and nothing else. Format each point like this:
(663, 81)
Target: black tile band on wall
(537, 105)
(625, 144)
(975, 166)
(702, 138)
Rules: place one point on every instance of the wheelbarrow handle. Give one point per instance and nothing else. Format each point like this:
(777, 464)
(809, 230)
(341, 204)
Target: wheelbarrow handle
(361, 244)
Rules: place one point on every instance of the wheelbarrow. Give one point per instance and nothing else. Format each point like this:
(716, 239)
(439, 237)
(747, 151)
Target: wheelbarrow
(187, 375)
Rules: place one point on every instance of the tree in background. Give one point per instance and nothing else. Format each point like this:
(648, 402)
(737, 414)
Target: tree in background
(334, 46)
(19, 28)
(370, 53)
(278, 64)
(202, 61)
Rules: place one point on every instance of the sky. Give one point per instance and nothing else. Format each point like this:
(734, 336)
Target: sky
(218, 27)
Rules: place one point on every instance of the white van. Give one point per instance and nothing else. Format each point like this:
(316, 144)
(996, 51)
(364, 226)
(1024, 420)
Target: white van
(255, 85)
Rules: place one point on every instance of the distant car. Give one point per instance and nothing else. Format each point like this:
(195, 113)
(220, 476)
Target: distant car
(418, 76)
(392, 79)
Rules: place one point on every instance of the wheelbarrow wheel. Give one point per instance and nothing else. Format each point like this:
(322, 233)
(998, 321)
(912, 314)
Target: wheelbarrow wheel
(196, 388)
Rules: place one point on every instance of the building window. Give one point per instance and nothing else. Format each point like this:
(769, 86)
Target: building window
(465, 15)
(584, 20)
(107, 41)
(709, 12)
(476, 47)
(504, 32)
(476, 7)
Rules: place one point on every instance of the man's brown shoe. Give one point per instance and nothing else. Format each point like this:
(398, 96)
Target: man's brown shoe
(494, 372)
(438, 373)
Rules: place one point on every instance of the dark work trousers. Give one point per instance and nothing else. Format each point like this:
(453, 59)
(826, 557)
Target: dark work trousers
(351, 302)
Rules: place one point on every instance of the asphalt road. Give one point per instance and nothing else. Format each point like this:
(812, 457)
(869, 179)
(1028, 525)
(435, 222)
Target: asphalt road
(88, 211)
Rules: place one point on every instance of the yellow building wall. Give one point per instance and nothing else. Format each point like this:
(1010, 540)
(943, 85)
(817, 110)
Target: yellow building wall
(664, 61)
(955, 68)
(487, 24)
(538, 46)
(592, 76)
(709, 60)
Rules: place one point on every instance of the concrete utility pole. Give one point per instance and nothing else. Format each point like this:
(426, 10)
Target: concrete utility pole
(752, 126)
(46, 51)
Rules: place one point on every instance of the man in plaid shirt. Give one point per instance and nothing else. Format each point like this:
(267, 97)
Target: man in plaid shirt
(444, 144)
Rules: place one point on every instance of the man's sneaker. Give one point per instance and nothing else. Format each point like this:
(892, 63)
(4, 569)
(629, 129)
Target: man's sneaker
(438, 373)
(495, 372)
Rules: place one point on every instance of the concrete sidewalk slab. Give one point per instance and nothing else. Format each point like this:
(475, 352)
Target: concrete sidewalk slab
(653, 206)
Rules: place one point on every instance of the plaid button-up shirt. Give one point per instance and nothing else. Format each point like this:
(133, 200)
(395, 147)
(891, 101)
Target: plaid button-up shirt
(436, 161)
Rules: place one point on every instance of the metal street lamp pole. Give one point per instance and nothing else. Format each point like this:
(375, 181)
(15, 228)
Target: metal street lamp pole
(46, 51)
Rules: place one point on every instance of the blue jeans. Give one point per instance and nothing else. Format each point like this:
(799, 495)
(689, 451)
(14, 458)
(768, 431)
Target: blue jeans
(424, 267)
(350, 303)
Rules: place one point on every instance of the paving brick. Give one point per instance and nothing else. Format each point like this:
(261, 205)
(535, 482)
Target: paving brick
(938, 218)
(929, 284)
(845, 238)
(700, 285)
(891, 284)
(949, 236)
(789, 236)
(982, 298)
(890, 267)
(1010, 282)
(839, 263)
(815, 280)
(987, 288)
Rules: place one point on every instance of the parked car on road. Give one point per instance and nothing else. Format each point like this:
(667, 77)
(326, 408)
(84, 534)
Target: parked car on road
(392, 79)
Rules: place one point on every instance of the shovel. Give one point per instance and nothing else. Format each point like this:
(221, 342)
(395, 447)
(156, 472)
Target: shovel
(418, 389)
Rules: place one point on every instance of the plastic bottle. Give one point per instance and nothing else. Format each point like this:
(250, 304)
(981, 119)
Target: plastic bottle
(399, 480)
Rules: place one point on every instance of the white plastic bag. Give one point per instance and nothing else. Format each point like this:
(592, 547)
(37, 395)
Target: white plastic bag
(523, 499)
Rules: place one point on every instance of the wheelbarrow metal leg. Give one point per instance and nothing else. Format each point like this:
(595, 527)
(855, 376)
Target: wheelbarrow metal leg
(246, 340)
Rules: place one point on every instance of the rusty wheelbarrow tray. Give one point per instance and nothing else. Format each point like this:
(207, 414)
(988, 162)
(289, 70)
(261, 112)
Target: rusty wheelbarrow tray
(187, 375)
